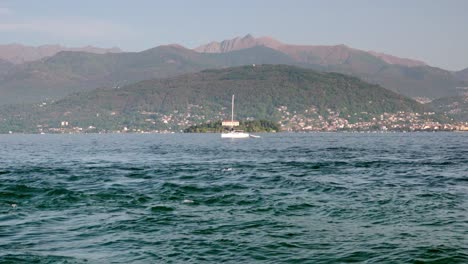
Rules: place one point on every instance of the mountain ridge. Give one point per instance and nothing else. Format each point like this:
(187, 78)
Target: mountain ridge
(249, 41)
(54, 77)
(18, 53)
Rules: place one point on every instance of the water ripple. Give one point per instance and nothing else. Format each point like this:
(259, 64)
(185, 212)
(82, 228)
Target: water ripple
(284, 198)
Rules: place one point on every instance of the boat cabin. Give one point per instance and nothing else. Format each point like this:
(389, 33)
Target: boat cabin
(230, 123)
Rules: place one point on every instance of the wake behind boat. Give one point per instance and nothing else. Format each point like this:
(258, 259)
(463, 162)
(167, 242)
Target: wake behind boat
(235, 134)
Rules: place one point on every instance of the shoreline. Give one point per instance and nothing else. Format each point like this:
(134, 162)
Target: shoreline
(281, 132)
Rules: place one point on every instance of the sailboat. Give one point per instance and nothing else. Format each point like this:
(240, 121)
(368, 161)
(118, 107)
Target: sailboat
(233, 133)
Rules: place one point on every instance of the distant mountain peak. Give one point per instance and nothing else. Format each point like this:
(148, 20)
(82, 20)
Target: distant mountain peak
(248, 36)
(175, 45)
(238, 43)
(339, 52)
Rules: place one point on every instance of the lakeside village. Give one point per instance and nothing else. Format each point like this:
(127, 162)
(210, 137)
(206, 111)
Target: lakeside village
(290, 121)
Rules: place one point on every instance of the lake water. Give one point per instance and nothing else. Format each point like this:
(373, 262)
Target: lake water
(282, 198)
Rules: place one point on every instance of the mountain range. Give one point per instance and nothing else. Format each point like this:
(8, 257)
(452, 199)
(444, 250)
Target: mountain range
(174, 103)
(53, 77)
(409, 77)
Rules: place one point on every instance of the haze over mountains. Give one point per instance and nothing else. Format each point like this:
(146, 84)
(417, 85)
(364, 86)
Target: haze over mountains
(462, 75)
(56, 76)
(17, 53)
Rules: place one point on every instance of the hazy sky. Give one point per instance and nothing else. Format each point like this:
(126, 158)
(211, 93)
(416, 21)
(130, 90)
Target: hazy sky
(433, 31)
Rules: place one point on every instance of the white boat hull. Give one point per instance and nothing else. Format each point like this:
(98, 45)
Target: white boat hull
(235, 135)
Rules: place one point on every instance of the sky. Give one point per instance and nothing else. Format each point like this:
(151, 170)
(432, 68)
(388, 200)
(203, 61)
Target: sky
(435, 32)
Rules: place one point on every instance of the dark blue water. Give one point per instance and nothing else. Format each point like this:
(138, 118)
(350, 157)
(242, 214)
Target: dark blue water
(283, 198)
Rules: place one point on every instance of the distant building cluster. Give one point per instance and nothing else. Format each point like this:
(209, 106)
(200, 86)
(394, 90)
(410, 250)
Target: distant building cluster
(308, 120)
(311, 120)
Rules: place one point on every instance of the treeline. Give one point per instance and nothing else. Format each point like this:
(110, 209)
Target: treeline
(254, 126)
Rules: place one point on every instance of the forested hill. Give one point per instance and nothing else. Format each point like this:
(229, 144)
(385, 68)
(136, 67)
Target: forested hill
(55, 77)
(262, 92)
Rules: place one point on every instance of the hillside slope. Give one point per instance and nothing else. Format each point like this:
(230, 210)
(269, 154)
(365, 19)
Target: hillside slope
(5, 67)
(462, 75)
(455, 107)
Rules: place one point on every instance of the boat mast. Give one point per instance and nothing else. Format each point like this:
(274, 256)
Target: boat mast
(232, 112)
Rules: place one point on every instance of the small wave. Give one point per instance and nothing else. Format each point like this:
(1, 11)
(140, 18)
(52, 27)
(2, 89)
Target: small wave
(30, 258)
(161, 209)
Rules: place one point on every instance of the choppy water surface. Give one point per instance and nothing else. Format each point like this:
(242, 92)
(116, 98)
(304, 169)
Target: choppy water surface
(283, 198)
